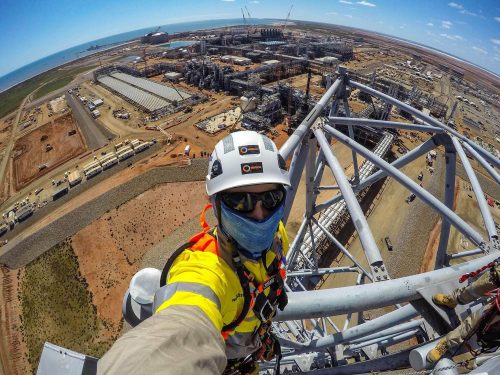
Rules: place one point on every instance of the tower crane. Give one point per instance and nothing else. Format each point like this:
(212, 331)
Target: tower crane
(248, 19)
(287, 18)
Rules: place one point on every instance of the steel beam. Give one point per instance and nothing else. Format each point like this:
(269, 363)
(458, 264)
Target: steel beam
(426, 118)
(296, 168)
(407, 182)
(351, 135)
(383, 124)
(449, 198)
(483, 162)
(370, 327)
(321, 271)
(293, 141)
(310, 174)
(342, 248)
(467, 253)
(358, 218)
(386, 341)
(399, 163)
(489, 223)
(338, 301)
(297, 241)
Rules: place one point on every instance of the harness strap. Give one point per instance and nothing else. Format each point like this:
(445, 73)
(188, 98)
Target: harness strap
(247, 297)
(477, 272)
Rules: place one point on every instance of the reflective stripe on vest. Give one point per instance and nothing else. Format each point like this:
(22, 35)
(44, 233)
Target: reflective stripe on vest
(166, 292)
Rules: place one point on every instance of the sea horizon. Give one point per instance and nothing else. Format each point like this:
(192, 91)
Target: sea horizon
(68, 55)
(71, 54)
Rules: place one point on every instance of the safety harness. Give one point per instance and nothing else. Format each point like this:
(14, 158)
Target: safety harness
(487, 339)
(263, 297)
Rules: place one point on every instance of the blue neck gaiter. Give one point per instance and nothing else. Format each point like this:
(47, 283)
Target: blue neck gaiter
(253, 236)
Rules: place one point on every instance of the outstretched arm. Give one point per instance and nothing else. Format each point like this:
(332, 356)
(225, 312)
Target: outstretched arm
(177, 340)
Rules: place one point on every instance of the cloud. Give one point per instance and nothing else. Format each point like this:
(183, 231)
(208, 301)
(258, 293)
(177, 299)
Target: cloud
(455, 5)
(468, 13)
(331, 13)
(255, 2)
(446, 24)
(452, 37)
(495, 41)
(366, 3)
(480, 50)
(347, 16)
(346, 2)
(497, 19)
(430, 24)
(228, 1)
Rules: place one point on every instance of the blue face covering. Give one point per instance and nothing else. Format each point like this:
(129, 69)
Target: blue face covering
(254, 236)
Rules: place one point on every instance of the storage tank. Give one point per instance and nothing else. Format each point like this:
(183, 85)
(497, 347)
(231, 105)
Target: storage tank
(248, 104)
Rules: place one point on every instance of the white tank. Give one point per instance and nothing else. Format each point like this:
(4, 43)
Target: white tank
(248, 104)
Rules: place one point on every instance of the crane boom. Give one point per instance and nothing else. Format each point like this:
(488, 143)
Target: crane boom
(287, 18)
(244, 19)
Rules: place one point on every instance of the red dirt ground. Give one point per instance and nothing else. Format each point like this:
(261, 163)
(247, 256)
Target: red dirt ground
(29, 151)
(110, 249)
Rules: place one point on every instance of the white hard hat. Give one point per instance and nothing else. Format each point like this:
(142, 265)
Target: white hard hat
(245, 158)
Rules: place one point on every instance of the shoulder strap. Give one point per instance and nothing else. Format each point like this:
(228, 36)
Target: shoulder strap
(247, 296)
(170, 261)
(192, 240)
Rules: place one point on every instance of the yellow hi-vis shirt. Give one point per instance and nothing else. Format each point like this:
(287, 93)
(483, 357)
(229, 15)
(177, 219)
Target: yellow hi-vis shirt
(206, 279)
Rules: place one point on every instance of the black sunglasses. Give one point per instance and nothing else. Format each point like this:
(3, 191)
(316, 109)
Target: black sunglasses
(245, 202)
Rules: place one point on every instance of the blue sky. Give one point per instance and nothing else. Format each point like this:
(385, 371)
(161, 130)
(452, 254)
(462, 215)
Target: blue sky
(30, 30)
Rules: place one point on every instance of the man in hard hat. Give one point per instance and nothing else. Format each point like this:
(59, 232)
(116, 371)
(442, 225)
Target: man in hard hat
(220, 290)
(485, 322)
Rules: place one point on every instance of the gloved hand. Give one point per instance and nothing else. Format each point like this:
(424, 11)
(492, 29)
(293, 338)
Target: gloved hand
(270, 347)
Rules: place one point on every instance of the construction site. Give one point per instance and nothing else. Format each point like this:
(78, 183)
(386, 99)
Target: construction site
(108, 179)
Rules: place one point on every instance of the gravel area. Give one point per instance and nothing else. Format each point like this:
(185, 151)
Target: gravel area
(22, 250)
(415, 229)
(489, 186)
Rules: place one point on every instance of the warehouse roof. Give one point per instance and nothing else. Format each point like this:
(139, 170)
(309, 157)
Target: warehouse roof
(141, 97)
(156, 88)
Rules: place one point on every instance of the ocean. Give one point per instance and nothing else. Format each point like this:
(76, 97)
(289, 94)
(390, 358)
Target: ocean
(73, 53)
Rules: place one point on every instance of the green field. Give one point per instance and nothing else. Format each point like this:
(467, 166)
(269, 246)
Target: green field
(45, 83)
(57, 306)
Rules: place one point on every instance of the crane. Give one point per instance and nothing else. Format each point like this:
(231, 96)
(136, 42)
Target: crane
(244, 19)
(248, 19)
(287, 18)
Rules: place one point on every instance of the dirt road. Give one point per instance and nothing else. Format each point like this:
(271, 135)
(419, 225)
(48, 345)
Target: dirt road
(95, 135)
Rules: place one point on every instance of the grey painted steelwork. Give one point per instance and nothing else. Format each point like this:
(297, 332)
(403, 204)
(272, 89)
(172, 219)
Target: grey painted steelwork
(426, 118)
(297, 136)
(336, 301)
(383, 124)
(420, 192)
(476, 187)
(484, 163)
(449, 198)
(358, 218)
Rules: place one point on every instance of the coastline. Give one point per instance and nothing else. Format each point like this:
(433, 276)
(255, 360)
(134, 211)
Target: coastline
(71, 62)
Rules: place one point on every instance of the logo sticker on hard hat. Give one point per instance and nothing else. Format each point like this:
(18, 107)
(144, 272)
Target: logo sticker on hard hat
(248, 168)
(249, 150)
(216, 169)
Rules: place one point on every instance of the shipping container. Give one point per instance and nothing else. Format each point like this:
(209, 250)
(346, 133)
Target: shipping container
(59, 192)
(92, 172)
(24, 212)
(109, 162)
(125, 154)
